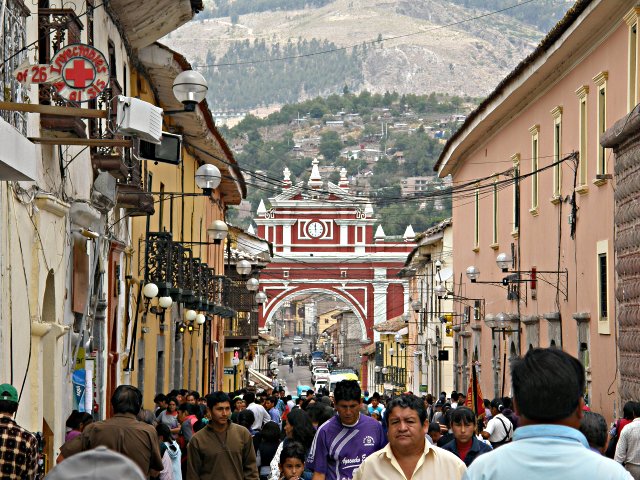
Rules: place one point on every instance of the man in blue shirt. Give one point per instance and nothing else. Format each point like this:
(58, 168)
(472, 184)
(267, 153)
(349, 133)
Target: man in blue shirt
(547, 392)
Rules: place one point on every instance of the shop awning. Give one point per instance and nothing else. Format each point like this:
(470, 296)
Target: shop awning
(260, 380)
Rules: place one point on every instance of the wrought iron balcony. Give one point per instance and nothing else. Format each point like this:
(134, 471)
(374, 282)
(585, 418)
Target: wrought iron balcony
(243, 326)
(58, 27)
(12, 44)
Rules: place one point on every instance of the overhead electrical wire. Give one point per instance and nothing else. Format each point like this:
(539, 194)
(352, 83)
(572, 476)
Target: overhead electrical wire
(373, 42)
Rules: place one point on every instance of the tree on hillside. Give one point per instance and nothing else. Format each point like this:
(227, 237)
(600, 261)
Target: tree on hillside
(330, 145)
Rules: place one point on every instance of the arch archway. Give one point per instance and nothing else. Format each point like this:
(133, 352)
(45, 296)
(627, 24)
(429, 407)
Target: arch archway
(280, 299)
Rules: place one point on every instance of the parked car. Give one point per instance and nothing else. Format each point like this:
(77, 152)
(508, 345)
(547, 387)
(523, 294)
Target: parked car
(302, 390)
(297, 339)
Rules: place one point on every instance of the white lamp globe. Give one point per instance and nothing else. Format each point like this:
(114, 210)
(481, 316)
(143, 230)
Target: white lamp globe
(261, 298)
(208, 177)
(190, 88)
(165, 302)
(253, 284)
(200, 319)
(398, 337)
(217, 230)
(190, 315)
(243, 267)
(504, 261)
(473, 273)
(150, 290)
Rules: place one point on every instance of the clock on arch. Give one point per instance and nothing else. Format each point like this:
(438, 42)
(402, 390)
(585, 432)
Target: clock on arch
(315, 229)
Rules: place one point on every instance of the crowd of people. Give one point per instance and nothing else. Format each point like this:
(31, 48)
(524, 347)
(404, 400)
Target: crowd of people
(346, 434)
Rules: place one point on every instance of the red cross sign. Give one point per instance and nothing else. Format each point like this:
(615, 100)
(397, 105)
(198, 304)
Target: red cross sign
(78, 72)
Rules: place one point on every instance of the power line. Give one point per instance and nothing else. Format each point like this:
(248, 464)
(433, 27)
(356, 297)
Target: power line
(373, 42)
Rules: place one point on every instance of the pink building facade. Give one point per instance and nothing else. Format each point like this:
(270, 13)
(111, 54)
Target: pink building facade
(533, 183)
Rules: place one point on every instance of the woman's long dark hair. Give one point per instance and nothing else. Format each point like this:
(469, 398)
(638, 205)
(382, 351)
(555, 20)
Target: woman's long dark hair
(303, 430)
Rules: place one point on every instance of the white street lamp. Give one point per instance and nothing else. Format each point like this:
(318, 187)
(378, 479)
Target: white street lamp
(243, 267)
(398, 337)
(190, 88)
(261, 298)
(190, 315)
(217, 231)
(385, 370)
(473, 273)
(440, 291)
(392, 351)
(377, 368)
(504, 261)
(253, 284)
(208, 178)
(200, 319)
(165, 302)
(416, 305)
(150, 290)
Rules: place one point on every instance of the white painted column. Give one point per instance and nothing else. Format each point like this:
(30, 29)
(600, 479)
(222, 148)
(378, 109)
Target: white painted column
(380, 286)
(286, 238)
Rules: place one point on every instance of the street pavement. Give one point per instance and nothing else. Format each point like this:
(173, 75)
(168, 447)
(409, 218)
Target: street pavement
(301, 374)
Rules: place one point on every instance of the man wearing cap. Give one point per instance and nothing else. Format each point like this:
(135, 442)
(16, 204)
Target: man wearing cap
(18, 448)
(122, 433)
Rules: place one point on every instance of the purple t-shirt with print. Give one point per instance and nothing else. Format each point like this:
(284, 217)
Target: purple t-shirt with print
(338, 450)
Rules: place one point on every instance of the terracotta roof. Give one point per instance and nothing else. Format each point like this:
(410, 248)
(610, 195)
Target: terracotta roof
(440, 227)
(554, 35)
(393, 325)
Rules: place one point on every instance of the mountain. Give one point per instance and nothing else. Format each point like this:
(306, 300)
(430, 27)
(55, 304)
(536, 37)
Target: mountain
(410, 46)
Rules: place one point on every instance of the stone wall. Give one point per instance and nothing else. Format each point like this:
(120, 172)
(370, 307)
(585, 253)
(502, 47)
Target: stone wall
(624, 138)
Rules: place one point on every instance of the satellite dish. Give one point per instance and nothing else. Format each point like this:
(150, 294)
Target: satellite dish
(446, 274)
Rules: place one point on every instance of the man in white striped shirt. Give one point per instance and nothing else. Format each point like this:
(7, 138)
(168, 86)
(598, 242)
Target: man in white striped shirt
(628, 448)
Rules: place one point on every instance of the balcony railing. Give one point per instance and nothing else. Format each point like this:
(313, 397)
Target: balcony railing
(13, 40)
(242, 326)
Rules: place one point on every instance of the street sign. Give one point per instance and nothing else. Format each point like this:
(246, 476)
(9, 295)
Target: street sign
(78, 72)
(228, 370)
(423, 388)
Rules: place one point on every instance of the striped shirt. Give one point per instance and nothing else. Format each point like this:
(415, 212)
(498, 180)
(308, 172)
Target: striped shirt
(337, 450)
(628, 448)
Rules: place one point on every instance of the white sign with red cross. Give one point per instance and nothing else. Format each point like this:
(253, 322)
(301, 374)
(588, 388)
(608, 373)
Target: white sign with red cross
(78, 72)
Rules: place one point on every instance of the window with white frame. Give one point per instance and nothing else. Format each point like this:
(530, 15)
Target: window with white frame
(516, 194)
(631, 19)
(582, 93)
(601, 82)
(476, 223)
(535, 162)
(557, 153)
(602, 274)
(494, 233)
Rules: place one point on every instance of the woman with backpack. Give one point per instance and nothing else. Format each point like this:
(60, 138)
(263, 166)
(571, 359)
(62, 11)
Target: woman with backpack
(499, 429)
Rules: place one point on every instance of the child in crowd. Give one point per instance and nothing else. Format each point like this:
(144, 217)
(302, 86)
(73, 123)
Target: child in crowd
(292, 461)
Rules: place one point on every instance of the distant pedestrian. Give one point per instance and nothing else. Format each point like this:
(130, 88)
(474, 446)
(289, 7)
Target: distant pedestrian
(465, 444)
(18, 447)
(548, 385)
(594, 427)
(260, 414)
(221, 450)
(270, 407)
(291, 365)
(499, 429)
(628, 448)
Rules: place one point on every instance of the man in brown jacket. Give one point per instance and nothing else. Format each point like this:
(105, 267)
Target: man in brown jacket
(121, 433)
(222, 449)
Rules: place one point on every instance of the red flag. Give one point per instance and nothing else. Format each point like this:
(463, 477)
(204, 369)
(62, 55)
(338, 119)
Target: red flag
(474, 394)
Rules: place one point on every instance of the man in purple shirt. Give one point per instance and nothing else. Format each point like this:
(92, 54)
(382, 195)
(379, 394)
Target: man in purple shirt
(344, 442)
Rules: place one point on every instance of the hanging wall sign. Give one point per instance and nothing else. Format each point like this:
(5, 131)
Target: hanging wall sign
(78, 72)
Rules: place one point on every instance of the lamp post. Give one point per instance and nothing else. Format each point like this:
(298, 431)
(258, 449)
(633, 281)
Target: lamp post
(377, 369)
(392, 351)
(190, 88)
